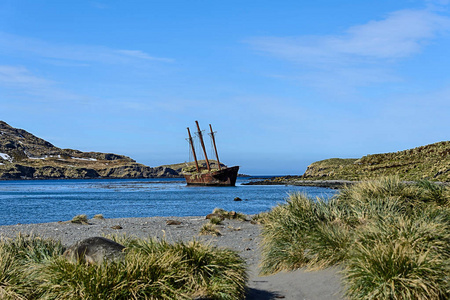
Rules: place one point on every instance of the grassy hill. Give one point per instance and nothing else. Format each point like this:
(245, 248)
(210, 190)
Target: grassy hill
(431, 162)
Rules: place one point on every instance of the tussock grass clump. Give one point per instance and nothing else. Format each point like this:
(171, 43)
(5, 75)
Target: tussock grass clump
(16, 258)
(151, 269)
(215, 221)
(392, 239)
(31, 248)
(435, 193)
(230, 214)
(259, 218)
(80, 219)
(403, 256)
(10, 283)
(284, 235)
(99, 217)
(209, 229)
(304, 233)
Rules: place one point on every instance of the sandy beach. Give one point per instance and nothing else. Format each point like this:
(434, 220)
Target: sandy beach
(240, 236)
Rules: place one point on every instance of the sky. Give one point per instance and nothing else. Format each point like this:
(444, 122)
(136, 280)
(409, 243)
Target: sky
(284, 83)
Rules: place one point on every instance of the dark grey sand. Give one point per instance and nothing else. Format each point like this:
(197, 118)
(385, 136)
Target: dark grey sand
(237, 235)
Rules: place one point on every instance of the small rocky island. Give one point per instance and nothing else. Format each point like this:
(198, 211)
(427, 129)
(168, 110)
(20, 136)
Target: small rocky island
(25, 156)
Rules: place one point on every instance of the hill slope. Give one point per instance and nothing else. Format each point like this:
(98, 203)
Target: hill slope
(430, 162)
(25, 156)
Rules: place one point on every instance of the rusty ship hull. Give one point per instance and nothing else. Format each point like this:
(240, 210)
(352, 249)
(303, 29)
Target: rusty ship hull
(222, 177)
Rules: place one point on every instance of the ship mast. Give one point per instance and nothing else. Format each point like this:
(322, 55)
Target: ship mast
(203, 145)
(193, 149)
(214, 144)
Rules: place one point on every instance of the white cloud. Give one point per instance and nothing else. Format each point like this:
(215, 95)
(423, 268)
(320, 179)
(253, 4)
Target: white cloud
(17, 45)
(142, 55)
(401, 34)
(362, 55)
(20, 77)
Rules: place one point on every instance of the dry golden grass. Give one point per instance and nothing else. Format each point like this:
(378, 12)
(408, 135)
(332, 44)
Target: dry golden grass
(33, 268)
(391, 238)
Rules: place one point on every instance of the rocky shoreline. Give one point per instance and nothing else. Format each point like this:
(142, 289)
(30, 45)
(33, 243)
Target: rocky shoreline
(332, 184)
(241, 236)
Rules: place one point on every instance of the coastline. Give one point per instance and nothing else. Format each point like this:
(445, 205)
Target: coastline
(332, 184)
(241, 236)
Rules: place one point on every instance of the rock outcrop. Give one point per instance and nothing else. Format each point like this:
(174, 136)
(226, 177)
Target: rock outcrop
(25, 156)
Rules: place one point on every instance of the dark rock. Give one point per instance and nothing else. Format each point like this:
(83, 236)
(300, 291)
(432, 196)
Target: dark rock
(237, 199)
(173, 222)
(94, 250)
(116, 227)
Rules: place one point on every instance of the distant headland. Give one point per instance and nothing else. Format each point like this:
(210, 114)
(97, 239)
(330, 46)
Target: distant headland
(430, 162)
(25, 156)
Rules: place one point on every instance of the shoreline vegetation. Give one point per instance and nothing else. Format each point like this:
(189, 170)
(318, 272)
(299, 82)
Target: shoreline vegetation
(165, 258)
(391, 239)
(383, 238)
(238, 233)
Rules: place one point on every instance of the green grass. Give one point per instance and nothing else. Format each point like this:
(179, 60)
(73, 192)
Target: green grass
(430, 162)
(33, 268)
(391, 239)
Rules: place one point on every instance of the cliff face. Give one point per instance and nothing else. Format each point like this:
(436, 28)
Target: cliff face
(25, 156)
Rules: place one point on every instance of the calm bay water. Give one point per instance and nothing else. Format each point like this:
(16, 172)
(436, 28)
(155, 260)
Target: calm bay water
(40, 201)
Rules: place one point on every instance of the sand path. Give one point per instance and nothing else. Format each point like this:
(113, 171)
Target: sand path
(243, 237)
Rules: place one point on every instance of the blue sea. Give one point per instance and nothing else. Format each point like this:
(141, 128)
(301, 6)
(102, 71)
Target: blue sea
(40, 201)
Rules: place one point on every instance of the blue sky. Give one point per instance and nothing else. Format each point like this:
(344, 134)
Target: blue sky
(285, 83)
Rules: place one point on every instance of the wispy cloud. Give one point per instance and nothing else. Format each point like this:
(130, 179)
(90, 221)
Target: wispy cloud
(20, 77)
(18, 45)
(142, 55)
(362, 54)
(401, 34)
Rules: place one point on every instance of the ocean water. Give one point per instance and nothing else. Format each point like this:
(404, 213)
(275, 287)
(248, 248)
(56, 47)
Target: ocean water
(40, 201)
